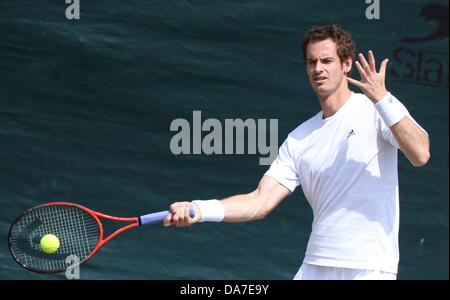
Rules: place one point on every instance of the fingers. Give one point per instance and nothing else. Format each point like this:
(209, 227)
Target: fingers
(176, 209)
(179, 215)
(383, 66)
(371, 83)
(168, 221)
(354, 82)
(177, 205)
(364, 64)
(371, 61)
(361, 71)
(186, 218)
(172, 218)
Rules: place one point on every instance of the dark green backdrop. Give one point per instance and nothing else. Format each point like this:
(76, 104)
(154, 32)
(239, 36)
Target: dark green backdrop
(85, 109)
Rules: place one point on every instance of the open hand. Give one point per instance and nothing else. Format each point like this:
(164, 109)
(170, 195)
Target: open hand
(372, 83)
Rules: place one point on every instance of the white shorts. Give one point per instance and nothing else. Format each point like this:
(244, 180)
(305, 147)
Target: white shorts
(314, 272)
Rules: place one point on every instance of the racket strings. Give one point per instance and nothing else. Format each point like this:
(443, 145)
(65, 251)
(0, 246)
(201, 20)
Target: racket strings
(78, 233)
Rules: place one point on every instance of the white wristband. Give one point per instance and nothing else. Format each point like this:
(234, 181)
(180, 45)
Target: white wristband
(210, 210)
(389, 110)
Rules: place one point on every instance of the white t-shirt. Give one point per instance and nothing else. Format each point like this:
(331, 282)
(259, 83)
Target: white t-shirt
(347, 167)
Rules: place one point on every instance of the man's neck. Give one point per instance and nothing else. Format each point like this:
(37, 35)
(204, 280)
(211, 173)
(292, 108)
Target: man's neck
(332, 103)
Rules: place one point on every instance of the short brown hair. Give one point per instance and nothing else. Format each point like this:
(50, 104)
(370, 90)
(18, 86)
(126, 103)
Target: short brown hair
(345, 44)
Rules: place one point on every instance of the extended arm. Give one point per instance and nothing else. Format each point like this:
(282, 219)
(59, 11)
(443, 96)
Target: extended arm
(240, 208)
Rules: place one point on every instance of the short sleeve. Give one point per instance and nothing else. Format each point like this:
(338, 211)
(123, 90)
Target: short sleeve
(283, 169)
(386, 132)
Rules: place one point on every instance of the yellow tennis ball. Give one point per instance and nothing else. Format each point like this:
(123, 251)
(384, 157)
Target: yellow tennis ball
(49, 243)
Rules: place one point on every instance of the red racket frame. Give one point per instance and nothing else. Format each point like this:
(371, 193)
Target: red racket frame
(97, 215)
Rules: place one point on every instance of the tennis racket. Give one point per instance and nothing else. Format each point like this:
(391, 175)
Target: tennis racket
(79, 230)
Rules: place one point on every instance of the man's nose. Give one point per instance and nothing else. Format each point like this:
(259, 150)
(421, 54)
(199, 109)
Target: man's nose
(318, 68)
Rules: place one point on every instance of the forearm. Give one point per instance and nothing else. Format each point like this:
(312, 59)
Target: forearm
(244, 208)
(239, 208)
(257, 204)
(413, 141)
(411, 138)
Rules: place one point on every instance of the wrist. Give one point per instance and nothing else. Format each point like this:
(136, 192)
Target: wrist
(389, 110)
(210, 210)
(380, 97)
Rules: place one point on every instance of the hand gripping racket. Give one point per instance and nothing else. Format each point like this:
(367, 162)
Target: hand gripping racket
(79, 230)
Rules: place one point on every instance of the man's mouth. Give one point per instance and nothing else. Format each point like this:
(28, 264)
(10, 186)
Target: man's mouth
(319, 79)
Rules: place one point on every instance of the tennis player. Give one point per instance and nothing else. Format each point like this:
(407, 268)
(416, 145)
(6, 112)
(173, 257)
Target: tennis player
(345, 160)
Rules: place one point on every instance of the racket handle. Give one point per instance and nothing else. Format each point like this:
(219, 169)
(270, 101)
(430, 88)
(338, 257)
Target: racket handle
(158, 217)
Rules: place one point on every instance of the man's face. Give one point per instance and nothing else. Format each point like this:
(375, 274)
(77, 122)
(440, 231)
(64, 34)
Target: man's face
(325, 71)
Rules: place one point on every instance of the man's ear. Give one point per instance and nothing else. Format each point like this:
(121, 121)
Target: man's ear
(347, 65)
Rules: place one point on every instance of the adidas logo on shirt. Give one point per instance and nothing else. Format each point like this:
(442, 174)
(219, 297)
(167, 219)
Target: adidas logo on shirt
(351, 133)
